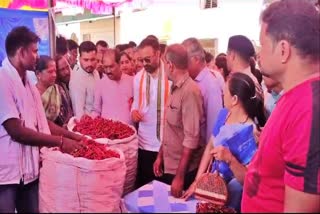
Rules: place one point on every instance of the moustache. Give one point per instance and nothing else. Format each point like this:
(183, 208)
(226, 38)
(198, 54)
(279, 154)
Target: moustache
(150, 68)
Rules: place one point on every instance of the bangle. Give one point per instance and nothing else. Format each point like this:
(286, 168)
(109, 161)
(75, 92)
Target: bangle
(61, 142)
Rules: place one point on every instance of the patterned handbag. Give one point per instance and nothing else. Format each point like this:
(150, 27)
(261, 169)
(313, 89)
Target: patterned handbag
(212, 188)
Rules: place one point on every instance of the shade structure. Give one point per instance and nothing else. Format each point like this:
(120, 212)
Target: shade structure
(25, 4)
(96, 6)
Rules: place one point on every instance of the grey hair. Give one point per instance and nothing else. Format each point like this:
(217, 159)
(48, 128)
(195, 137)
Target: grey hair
(194, 48)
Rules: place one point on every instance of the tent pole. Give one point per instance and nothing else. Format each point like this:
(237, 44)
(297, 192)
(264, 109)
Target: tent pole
(114, 24)
(52, 37)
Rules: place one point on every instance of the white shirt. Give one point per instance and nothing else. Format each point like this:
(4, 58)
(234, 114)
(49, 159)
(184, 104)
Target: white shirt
(147, 127)
(81, 88)
(18, 161)
(32, 77)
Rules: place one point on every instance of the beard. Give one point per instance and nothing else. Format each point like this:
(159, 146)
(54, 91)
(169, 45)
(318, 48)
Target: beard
(89, 69)
(150, 68)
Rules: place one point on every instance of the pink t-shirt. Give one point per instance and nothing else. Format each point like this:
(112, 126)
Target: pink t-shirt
(112, 99)
(289, 151)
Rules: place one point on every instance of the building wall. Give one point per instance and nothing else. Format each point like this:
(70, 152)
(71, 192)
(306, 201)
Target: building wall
(176, 23)
(100, 30)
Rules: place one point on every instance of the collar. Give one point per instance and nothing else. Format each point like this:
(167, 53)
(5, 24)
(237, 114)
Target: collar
(202, 74)
(83, 72)
(180, 83)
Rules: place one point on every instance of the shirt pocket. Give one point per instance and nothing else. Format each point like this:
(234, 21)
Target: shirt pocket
(174, 116)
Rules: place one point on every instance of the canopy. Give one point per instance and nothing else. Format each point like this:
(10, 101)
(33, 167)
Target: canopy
(96, 6)
(25, 4)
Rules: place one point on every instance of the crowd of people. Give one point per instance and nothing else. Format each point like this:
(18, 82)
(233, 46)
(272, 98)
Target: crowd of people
(186, 104)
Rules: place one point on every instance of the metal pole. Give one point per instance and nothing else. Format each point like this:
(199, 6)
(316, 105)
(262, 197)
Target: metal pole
(114, 24)
(52, 33)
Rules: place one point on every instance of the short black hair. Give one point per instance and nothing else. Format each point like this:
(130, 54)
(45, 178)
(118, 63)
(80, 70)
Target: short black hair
(87, 46)
(19, 37)
(151, 36)
(72, 44)
(242, 46)
(208, 56)
(132, 44)
(151, 43)
(61, 45)
(122, 47)
(296, 21)
(102, 43)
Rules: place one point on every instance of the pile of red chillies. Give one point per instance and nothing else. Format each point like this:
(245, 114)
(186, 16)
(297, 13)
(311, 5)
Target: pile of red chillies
(94, 151)
(103, 128)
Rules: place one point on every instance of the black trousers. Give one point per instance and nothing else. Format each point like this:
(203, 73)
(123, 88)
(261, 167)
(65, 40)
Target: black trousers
(145, 167)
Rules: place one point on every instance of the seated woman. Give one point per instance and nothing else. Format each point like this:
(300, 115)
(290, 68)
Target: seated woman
(51, 93)
(235, 125)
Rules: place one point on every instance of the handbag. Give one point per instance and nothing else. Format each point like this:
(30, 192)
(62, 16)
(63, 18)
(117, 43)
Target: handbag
(211, 187)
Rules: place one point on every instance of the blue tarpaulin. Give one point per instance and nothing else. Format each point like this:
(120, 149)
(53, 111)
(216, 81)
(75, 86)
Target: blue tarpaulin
(37, 21)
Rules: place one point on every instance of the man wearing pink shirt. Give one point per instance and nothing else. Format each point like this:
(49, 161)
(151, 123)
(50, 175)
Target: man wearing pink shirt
(114, 92)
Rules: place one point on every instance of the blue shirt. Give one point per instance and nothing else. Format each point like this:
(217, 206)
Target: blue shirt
(212, 100)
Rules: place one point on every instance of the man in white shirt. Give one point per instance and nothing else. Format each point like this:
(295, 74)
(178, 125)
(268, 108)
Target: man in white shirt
(23, 126)
(114, 92)
(82, 81)
(208, 84)
(151, 91)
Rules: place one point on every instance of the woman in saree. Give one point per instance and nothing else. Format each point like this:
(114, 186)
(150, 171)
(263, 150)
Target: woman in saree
(233, 144)
(51, 93)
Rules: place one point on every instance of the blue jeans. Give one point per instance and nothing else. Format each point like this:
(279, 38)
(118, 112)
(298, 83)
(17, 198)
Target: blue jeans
(23, 198)
(235, 194)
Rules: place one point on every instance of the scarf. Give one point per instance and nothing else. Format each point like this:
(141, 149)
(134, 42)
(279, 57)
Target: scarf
(29, 155)
(162, 97)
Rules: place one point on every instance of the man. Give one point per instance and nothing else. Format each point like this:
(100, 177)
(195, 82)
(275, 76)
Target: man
(24, 127)
(100, 65)
(63, 79)
(102, 46)
(181, 150)
(72, 53)
(114, 92)
(83, 80)
(284, 174)
(240, 50)
(211, 65)
(208, 84)
(137, 60)
(151, 91)
(272, 95)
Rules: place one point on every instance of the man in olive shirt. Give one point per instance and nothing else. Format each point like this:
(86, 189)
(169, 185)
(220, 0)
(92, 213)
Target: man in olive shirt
(181, 150)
